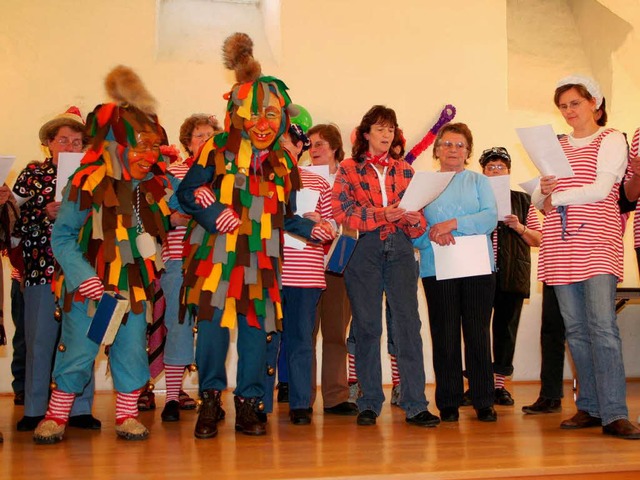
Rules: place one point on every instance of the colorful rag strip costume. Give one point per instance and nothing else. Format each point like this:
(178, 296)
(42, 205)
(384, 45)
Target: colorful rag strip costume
(239, 272)
(125, 222)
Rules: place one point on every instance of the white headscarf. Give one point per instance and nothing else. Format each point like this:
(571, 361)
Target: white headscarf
(589, 83)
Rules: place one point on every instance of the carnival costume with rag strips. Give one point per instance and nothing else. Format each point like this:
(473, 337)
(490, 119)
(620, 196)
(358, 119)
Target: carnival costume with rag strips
(234, 278)
(112, 226)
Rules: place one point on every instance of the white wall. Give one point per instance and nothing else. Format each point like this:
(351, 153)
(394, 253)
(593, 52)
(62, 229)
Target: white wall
(338, 58)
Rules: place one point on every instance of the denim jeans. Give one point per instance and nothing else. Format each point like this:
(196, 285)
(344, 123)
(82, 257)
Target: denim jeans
(212, 346)
(299, 309)
(589, 312)
(178, 349)
(376, 267)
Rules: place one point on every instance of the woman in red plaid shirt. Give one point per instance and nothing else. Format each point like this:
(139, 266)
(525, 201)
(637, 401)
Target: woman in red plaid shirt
(365, 196)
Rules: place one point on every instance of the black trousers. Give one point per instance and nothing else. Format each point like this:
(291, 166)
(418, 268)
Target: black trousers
(461, 306)
(552, 344)
(507, 308)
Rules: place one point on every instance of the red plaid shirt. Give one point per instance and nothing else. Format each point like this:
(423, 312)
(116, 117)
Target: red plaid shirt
(356, 198)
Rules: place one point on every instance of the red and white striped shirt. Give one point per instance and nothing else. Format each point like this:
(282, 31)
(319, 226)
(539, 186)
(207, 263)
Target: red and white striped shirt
(172, 248)
(305, 268)
(633, 152)
(592, 243)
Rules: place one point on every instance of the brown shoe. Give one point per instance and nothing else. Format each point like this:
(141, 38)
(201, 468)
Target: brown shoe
(247, 419)
(132, 429)
(581, 420)
(622, 428)
(209, 414)
(48, 432)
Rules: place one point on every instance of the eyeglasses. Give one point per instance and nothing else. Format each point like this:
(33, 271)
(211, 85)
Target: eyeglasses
(319, 144)
(571, 105)
(493, 168)
(455, 146)
(64, 141)
(202, 136)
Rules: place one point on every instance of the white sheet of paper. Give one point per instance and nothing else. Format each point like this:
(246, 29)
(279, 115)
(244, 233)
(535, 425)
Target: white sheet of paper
(6, 162)
(68, 162)
(424, 188)
(322, 170)
(502, 192)
(543, 147)
(467, 258)
(306, 201)
(530, 185)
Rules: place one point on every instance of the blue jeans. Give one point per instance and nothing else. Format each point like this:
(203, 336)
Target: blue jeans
(386, 266)
(41, 335)
(178, 349)
(212, 346)
(297, 331)
(589, 312)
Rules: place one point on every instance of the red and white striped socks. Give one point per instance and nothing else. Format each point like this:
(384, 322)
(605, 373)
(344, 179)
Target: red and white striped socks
(395, 374)
(59, 406)
(499, 380)
(173, 377)
(126, 405)
(353, 377)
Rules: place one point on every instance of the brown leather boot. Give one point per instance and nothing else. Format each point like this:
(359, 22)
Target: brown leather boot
(247, 419)
(209, 414)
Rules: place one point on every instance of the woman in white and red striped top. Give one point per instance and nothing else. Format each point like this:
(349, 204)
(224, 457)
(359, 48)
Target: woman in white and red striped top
(303, 281)
(581, 254)
(178, 350)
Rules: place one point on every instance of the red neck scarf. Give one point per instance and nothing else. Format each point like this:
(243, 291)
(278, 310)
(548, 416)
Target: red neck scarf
(382, 160)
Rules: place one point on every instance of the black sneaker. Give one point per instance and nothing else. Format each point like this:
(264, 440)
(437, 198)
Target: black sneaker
(424, 419)
(27, 424)
(86, 421)
(300, 416)
(487, 414)
(449, 415)
(344, 408)
(503, 397)
(366, 417)
(543, 405)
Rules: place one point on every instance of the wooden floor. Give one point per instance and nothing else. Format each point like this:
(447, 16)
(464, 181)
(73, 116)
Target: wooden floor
(517, 446)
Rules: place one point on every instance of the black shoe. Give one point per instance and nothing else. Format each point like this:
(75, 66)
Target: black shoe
(466, 399)
(27, 424)
(171, 411)
(449, 415)
(283, 392)
(423, 419)
(543, 405)
(622, 428)
(87, 422)
(300, 416)
(344, 408)
(487, 414)
(367, 417)
(503, 397)
(18, 398)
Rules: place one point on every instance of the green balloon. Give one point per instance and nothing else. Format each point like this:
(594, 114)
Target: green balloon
(303, 118)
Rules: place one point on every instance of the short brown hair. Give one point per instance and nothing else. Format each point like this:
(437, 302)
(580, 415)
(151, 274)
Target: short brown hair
(330, 133)
(459, 128)
(600, 114)
(190, 124)
(376, 114)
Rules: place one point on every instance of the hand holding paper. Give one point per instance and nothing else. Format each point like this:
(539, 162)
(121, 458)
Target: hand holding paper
(543, 147)
(424, 188)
